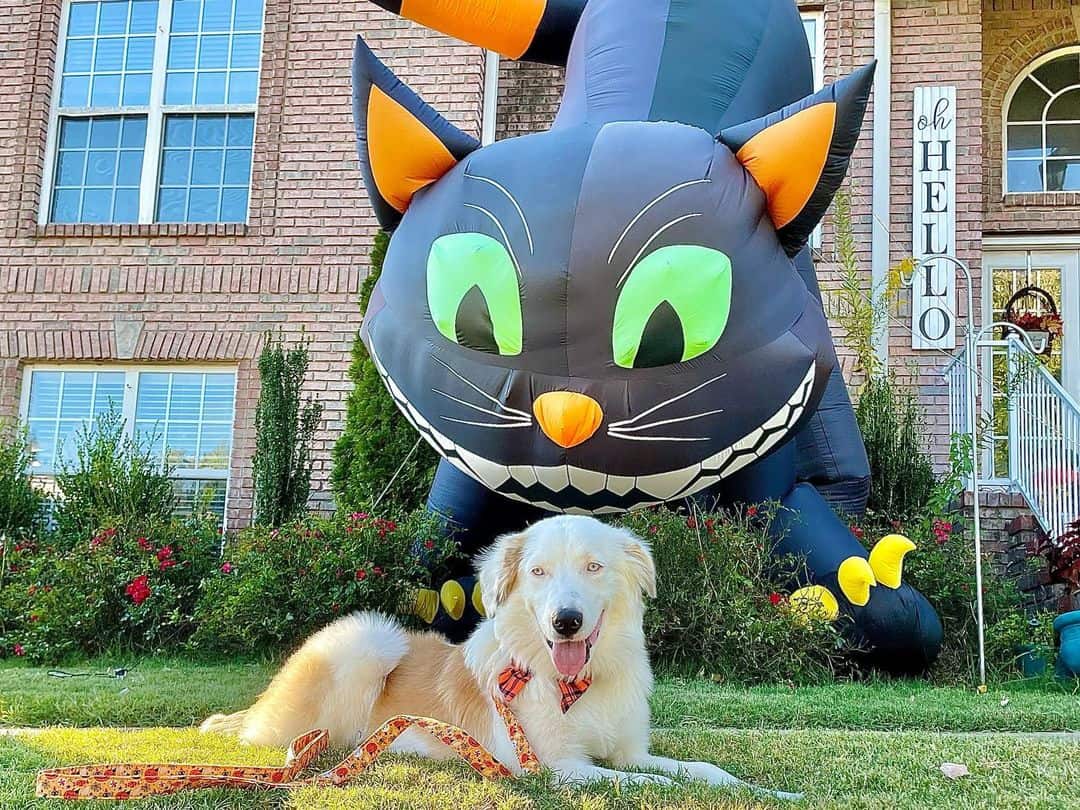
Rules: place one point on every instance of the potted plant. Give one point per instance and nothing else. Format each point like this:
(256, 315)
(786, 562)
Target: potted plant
(1044, 325)
(1063, 556)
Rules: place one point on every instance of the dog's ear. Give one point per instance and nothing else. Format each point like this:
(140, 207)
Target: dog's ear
(497, 570)
(641, 565)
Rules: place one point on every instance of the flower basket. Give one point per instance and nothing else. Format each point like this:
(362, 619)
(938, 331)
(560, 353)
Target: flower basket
(1042, 327)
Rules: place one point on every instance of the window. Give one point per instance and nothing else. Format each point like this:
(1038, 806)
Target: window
(814, 26)
(184, 417)
(1042, 126)
(154, 111)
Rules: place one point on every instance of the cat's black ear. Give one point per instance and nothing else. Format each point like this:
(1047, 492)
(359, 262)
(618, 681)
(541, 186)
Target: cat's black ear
(403, 143)
(799, 155)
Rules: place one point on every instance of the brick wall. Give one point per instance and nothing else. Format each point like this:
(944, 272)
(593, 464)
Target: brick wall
(208, 294)
(1015, 33)
(935, 42)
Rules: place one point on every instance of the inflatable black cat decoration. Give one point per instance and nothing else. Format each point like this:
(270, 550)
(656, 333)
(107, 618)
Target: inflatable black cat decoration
(620, 312)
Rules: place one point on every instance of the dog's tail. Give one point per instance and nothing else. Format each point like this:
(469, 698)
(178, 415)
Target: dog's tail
(331, 682)
(224, 723)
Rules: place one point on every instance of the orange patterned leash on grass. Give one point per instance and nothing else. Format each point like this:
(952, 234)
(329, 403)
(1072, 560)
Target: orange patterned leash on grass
(140, 781)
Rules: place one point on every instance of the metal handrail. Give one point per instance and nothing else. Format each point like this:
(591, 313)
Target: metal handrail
(1043, 432)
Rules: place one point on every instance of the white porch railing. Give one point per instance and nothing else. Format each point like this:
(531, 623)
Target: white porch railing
(1043, 433)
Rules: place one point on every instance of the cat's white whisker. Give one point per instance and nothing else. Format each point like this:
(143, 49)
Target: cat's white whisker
(627, 422)
(496, 414)
(650, 425)
(488, 424)
(481, 391)
(634, 438)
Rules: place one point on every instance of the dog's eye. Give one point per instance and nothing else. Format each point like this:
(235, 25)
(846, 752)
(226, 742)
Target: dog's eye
(537, 571)
(594, 568)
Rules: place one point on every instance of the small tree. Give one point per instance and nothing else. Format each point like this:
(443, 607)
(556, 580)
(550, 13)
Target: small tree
(114, 481)
(285, 425)
(377, 443)
(20, 504)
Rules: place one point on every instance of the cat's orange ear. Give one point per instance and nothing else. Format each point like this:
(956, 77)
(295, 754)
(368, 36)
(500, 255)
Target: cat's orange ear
(799, 155)
(403, 144)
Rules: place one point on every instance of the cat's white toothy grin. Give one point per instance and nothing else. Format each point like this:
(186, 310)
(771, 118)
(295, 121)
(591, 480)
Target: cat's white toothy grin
(608, 494)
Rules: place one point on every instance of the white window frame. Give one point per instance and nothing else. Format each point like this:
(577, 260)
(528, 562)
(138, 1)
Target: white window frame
(131, 389)
(1007, 103)
(155, 118)
(818, 57)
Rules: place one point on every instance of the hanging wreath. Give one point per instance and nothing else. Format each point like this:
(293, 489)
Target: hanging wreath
(1046, 325)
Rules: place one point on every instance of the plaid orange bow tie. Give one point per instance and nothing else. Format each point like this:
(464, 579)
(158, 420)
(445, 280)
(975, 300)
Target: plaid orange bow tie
(513, 679)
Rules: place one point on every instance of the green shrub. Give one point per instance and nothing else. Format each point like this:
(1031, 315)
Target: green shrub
(892, 426)
(285, 425)
(21, 505)
(115, 482)
(718, 609)
(112, 588)
(377, 442)
(276, 586)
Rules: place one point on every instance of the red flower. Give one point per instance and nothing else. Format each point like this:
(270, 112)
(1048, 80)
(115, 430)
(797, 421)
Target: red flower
(144, 544)
(164, 553)
(751, 511)
(942, 531)
(18, 649)
(654, 529)
(34, 617)
(31, 590)
(139, 589)
(226, 568)
(691, 523)
(377, 571)
(857, 531)
(361, 574)
(775, 598)
(429, 544)
(358, 516)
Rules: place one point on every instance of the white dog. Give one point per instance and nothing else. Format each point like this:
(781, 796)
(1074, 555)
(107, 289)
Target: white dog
(564, 600)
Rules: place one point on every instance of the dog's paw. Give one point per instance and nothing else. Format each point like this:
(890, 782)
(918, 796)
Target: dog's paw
(707, 772)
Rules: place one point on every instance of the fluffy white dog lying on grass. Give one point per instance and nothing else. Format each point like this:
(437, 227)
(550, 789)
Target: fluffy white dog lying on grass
(564, 600)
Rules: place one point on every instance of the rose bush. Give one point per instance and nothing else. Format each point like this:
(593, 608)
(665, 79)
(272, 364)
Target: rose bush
(115, 588)
(274, 587)
(719, 609)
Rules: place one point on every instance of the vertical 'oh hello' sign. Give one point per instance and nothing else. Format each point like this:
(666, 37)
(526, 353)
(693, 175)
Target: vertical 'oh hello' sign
(933, 310)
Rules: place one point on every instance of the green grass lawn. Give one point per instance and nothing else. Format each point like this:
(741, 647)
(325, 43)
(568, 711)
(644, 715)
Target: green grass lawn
(850, 745)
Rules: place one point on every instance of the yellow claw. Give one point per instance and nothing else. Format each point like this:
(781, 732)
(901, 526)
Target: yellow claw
(815, 602)
(478, 601)
(856, 578)
(427, 604)
(887, 559)
(452, 596)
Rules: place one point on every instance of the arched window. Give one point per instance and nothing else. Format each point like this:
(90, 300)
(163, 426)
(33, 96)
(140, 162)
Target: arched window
(1042, 126)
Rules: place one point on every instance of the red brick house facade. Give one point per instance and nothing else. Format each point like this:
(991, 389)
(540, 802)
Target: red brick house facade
(178, 177)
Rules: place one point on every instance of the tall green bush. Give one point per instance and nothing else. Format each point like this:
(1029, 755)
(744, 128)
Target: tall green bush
(285, 424)
(377, 442)
(892, 426)
(115, 481)
(20, 503)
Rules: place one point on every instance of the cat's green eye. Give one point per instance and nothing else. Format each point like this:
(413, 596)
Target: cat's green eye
(473, 294)
(673, 307)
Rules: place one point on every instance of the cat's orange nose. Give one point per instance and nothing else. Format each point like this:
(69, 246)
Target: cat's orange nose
(568, 418)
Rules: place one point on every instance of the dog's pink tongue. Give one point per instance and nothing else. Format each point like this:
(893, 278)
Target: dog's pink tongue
(569, 657)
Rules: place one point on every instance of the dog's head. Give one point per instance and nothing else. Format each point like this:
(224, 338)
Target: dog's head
(567, 587)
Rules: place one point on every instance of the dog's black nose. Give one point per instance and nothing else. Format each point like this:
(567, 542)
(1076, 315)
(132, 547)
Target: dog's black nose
(567, 622)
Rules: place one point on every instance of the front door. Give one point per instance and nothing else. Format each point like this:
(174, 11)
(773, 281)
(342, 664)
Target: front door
(1006, 272)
